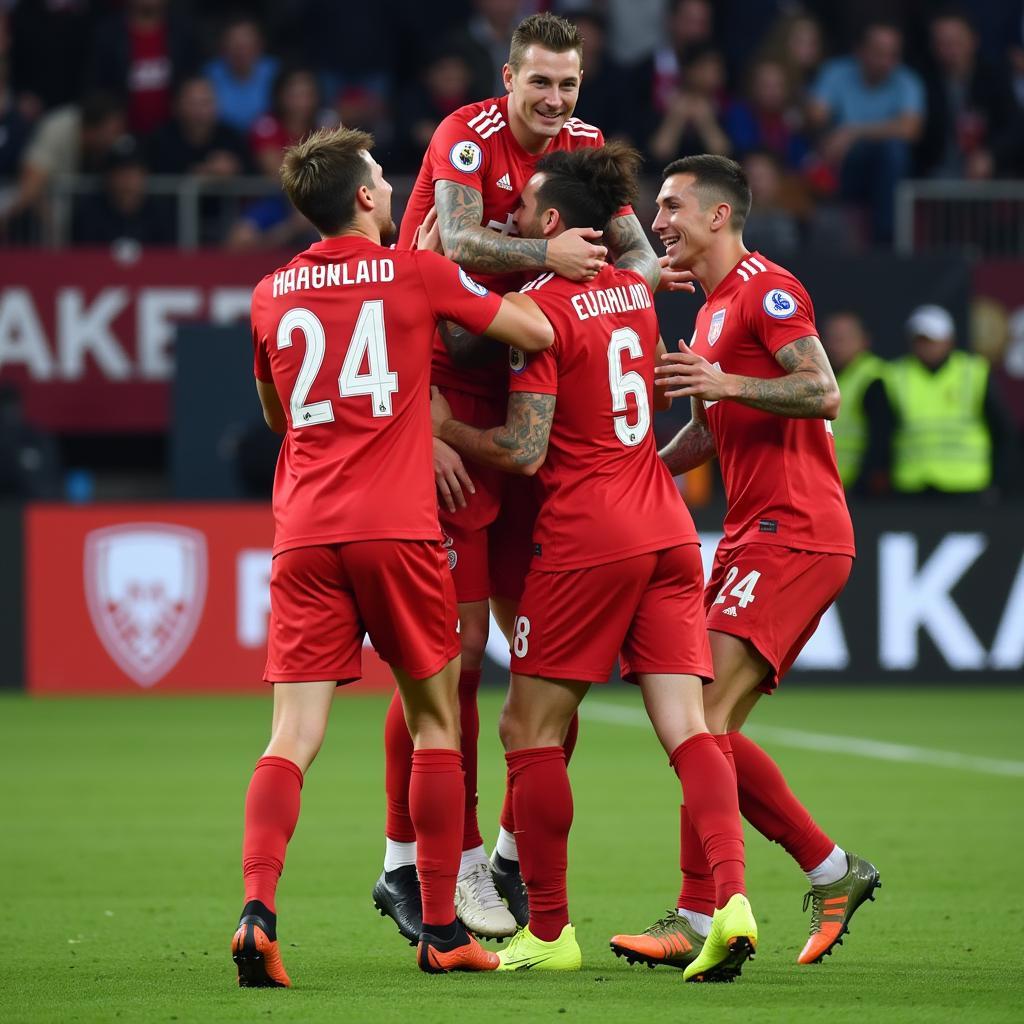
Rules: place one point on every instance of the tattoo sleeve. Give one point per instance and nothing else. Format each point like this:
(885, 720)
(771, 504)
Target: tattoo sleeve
(632, 250)
(460, 210)
(692, 446)
(517, 447)
(807, 391)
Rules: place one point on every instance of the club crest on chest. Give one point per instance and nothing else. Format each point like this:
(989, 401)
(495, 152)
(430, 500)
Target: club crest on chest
(715, 327)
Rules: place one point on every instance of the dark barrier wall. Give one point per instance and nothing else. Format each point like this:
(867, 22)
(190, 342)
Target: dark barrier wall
(12, 616)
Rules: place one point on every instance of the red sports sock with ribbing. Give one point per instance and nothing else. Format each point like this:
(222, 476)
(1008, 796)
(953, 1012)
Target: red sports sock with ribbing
(508, 818)
(543, 807)
(469, 720)
(397, 772)
(271, 811)
(437, 800)
(712, 806)
(768, 803)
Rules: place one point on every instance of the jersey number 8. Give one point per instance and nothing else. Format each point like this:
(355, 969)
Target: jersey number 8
(368, 340)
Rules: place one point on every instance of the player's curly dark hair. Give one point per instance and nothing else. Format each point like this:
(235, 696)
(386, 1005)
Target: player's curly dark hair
(588, 186)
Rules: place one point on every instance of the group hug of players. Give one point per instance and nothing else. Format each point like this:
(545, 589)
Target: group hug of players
(557, 513)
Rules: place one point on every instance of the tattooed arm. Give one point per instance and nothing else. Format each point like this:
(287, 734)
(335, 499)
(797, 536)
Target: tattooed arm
(808, 390)
(692, 446)
(632, 250)
(477, 248)
(520, 446)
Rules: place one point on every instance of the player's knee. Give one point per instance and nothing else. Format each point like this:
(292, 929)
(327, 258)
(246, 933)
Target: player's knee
(435, 727)
(473, 632)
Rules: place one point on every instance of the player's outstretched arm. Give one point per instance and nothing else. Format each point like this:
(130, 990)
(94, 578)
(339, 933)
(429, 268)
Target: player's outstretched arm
(520, 446)
(573, 254)
(692, 446)
(807, 391)
(273, 411)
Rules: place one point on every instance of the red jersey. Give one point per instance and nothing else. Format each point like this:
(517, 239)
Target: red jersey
(780, 474)
(607, 495)
(475, 147)
(344, 331)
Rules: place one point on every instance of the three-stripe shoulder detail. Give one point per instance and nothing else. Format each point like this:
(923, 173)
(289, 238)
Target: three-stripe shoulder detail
(750, 267)
(487, 122)
(580, 129)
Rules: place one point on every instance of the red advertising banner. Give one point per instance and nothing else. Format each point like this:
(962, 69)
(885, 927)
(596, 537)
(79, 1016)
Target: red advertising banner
(88, 338)
(172, 598)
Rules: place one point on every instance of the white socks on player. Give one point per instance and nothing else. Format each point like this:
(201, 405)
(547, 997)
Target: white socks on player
(700, 923)
(831, 869)
(398, 855)
(506, 845)
(470, 858)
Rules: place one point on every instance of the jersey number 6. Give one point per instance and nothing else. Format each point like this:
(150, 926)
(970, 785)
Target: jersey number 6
(625, 339)
(368, 340)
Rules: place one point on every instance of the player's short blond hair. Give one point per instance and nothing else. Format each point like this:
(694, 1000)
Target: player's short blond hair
(322, 174)
(548, 31)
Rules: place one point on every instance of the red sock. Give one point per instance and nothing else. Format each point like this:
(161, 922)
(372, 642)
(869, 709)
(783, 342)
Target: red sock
(436, 802)
(397, 769)
(698, 890)
(271, 811)
(508, 818)
(770, 806)
(469, 719)
(543, 806)
(712, 805)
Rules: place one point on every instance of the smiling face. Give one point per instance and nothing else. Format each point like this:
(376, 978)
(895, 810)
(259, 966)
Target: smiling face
(542, 92)
(683, 225)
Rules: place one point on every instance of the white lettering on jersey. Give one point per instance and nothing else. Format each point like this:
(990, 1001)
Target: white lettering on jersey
(309, 278)
(604, 301)
(504, 228)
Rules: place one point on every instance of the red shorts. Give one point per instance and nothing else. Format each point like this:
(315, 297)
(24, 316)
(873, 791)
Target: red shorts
(490, 541)
(324, 599)
(645, 609)
(773, 597)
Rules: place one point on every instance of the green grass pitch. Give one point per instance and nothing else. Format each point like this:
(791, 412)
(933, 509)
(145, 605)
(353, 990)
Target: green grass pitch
(121, 878)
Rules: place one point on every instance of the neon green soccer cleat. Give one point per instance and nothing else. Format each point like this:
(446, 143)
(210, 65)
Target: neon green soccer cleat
(526, 952)
(671, 941)
(731, 941)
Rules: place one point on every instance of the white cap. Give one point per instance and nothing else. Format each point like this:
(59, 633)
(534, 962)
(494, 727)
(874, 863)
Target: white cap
(932, 322)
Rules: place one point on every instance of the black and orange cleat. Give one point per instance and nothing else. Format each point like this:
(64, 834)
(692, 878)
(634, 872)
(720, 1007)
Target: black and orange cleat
(670, 942)
(833, 905)
(396, 894)
(460, 952)
(254, 949)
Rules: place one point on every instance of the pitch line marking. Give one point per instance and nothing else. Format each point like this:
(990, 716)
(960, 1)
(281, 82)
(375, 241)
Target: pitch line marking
(876, 750)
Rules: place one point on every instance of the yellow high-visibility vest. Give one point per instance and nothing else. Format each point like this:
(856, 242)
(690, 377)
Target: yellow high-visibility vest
(941, 438)
(851, 427)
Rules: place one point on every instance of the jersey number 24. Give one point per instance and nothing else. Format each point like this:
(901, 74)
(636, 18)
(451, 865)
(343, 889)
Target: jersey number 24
(368, 340)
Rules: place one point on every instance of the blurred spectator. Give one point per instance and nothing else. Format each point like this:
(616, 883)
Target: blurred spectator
(969, 128)
(485, 41)
(768, 116)
(635, 29)
(692, 122)
(870, 108)
(49, 61)
(771, 226)
(140, 53)
(15, 128)
(610, 94)
(29, 461)
(795, 42)
(951, 433)
(688, 32)
(296, 112)
(243, 75)
(863, 431)
(122, 210)
(68, 140)
(195, 140)
(443, 87)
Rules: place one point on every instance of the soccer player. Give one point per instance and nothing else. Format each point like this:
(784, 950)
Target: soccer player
(762, 395)
(342, 338)
(601, 581)
(473, 172)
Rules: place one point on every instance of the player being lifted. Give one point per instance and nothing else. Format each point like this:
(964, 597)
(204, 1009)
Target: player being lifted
(474, 170)
(601, 582)
(342, 338)
(762, 395)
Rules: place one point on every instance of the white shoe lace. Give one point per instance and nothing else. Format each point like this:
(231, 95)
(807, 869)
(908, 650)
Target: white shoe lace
(481, 887)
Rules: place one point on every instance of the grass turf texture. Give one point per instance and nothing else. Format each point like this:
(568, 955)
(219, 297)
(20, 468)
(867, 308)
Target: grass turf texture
(120, 857)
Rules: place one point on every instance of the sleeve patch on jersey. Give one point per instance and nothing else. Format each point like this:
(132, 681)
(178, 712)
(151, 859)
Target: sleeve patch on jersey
(470, 285)
(779, 304)
(466, 156)
(516, 360)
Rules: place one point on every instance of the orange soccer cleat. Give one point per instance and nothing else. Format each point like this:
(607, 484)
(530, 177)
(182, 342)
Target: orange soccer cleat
(833, 905)
(460, 953)
(671, 942)
(255, 952)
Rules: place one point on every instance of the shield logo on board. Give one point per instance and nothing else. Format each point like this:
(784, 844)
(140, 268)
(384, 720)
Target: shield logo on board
(715, 328)
(145, 584)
